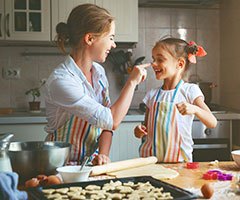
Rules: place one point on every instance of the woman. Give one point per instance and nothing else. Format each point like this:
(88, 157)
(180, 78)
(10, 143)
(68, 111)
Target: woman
(78, 107)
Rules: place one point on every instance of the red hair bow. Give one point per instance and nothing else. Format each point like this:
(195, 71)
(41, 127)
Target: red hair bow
(200, 52)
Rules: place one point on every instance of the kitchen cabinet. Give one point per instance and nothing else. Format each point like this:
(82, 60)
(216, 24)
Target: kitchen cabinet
(124, 11)
(126, 18)
(25, 132)
(26, 20)
(61, 9)
(124, 143)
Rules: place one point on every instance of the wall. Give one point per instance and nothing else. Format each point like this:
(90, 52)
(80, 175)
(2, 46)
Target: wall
(230, 59)
(199, 25)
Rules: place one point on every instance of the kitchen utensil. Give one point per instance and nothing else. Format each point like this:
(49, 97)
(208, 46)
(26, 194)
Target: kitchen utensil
(139, 60)
(88, 155)
(176, 192)
(206, 87)
(5, 163)
(30, 159)
(71, 174)
(236, 156)
(125, 164)
(120, 59)
(6, 111)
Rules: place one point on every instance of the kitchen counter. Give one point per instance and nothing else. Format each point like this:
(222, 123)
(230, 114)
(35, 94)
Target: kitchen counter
(133, 115)
(23, 117)
(191, 179)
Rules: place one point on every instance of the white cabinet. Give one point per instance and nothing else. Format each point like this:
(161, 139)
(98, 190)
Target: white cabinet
(25, 20)
(25, 132)
(125, 13)
(61, 9)
(124, 144)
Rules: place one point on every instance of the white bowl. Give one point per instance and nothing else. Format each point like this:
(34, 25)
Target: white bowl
(236, 156)
(72, 174)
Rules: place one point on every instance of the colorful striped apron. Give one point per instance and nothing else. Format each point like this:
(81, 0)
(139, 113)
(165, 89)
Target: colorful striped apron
(81, 134)
(163, 139)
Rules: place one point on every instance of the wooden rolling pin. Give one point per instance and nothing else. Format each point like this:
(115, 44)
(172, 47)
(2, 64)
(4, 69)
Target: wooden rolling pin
(121, 165)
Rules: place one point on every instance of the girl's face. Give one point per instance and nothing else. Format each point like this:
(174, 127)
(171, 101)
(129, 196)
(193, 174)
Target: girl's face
(102, 45)
(164, 64)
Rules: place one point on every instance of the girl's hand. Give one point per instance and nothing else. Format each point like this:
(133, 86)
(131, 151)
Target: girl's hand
(140, 131)
(101, 159)
(139, 73)
(186, 108)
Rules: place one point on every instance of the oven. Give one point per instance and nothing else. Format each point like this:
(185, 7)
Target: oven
(211, 144)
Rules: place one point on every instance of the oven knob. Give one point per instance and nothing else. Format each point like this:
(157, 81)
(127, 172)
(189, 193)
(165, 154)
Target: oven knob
(208, 131)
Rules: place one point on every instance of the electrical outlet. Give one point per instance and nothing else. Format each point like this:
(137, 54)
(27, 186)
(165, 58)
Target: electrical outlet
(11, 73)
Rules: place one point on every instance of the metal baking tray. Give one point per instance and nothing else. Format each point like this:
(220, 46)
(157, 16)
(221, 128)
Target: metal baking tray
(176, 192)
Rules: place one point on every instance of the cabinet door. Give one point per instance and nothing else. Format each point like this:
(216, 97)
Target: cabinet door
(61, 9)
(124, 143)
(27, 20)
(1, 19)
(126, 18)
(25, 132)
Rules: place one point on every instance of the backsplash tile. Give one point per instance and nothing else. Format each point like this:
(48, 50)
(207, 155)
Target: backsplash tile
(200, 25)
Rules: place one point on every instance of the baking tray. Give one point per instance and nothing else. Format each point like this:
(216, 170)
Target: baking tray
(176, 192)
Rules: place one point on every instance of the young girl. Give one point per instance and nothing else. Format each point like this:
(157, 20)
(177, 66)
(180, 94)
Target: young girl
(171, 108)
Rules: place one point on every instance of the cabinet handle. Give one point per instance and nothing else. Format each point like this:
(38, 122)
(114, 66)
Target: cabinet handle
(7, 25)
(0, 24)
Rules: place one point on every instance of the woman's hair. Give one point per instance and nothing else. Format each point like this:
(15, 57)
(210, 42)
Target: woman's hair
(83, 19)
(177, 48)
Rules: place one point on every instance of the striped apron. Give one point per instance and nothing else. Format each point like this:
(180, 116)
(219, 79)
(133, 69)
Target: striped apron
(163, 139)
(81, 134)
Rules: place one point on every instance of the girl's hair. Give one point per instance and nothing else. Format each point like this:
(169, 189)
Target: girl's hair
(83, 19)
(177, 48)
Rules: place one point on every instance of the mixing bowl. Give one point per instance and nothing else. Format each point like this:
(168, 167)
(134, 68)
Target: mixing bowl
(236, 156)
(71, 174)
(30, 159)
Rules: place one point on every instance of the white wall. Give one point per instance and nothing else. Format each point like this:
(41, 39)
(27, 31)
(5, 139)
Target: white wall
(230, 56)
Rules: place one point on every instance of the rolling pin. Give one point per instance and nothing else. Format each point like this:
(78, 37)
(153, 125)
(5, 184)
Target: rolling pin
(121, 165)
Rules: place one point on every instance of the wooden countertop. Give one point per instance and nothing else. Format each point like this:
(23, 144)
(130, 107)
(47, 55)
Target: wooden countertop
(193, 177)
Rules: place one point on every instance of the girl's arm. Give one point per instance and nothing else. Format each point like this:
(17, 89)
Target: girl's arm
(146, 117)
(141, 130)
(200, 110)
(204, 114)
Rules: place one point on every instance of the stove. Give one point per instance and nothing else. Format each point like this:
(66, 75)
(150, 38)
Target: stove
(212, 144)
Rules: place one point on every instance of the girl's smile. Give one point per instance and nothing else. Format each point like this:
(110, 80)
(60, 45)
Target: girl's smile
(158, 71)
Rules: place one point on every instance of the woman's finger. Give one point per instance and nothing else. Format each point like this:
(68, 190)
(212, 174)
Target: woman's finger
(144, 66)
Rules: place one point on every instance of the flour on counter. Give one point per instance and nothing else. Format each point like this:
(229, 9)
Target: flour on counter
(222, 190)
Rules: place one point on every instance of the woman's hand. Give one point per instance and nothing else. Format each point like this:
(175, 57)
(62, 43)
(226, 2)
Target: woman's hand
(101, 159)
(140, 131)
(139, 73)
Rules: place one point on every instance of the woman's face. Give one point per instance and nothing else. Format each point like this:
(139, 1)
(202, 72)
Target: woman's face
(164, 64)
(103, 44)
